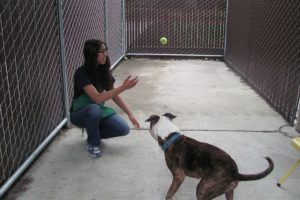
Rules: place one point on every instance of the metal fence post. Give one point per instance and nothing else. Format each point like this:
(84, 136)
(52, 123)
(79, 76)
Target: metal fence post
(298, 113)
(298, 123)
(124, 42)
(226, 25)
(63, 60)
(106, 21)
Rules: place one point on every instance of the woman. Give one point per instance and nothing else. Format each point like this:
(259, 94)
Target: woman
(93, 85)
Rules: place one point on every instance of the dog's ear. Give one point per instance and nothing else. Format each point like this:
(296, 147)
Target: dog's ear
(153, 119)
(170, 116)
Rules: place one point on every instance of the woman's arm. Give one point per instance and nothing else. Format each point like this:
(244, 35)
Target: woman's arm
(97, 97)
(117, 99)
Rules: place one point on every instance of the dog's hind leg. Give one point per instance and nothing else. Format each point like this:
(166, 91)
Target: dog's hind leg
(210, 188)
(229, 195)
(178, 178)
(230, 189)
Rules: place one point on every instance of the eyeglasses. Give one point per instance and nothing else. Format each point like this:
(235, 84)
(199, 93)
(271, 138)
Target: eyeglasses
(102, 51)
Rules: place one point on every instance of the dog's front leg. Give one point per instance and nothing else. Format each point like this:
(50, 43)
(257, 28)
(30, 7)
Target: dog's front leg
(178, 178)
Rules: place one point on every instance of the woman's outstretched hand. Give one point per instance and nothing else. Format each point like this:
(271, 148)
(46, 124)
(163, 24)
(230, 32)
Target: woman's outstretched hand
(130, 82)
(127, 84)
(134, 122)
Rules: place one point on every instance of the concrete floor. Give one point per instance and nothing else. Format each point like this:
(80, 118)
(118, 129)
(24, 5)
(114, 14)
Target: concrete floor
(212, 105)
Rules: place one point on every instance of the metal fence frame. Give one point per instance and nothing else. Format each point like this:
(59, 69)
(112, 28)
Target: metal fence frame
(297, 121)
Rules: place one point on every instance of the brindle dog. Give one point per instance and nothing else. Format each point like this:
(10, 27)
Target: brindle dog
(188, 157)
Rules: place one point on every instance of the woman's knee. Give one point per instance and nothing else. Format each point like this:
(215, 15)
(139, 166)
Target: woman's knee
(113, 126)
(122, 127)
(93, 111)
(125, 129)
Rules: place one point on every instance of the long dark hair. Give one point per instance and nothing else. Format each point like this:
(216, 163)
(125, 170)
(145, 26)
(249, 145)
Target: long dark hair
(100, 74)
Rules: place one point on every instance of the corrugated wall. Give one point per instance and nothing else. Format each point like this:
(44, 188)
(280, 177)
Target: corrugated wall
(263, 46)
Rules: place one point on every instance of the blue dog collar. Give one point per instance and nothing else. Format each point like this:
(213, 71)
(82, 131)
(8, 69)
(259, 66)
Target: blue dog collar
(174, 137)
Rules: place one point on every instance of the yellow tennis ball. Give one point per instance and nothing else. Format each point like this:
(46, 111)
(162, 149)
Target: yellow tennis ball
(163, 40)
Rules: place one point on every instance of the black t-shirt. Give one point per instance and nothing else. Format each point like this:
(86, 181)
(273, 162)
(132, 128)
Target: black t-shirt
(82, 79)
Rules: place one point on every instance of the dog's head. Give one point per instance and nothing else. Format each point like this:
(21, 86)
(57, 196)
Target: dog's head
(161, 125)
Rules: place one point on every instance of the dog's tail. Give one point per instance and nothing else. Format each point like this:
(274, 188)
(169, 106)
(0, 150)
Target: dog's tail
(251, 177)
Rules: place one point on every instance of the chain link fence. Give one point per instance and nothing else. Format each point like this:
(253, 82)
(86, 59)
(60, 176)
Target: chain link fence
(115, 29)
(31, 100)
(41, 47)
(82, 20)
(192, 27)
(92, 19)
(263, 46)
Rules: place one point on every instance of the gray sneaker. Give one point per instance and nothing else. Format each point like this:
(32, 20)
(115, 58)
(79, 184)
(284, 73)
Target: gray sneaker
(94, 151)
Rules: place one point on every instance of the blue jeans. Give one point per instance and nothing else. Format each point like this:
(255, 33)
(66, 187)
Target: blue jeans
(90, 117)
